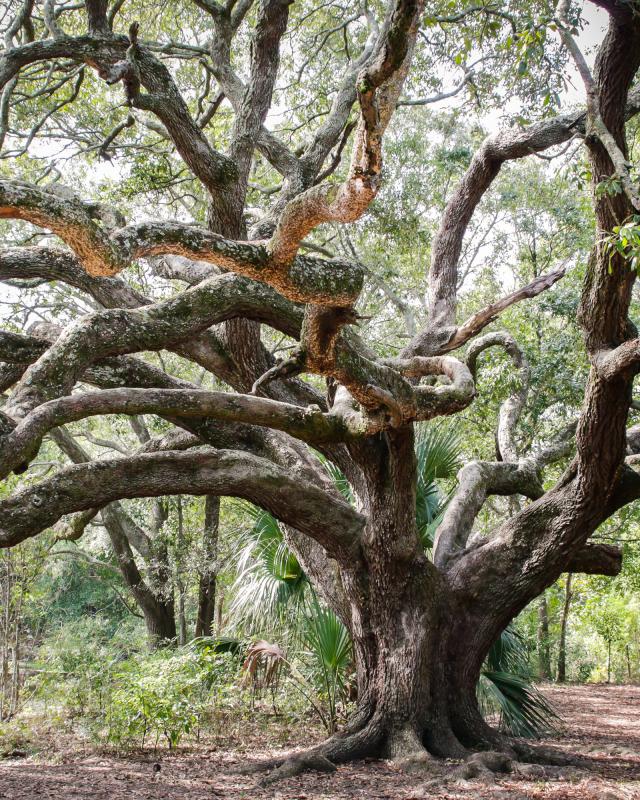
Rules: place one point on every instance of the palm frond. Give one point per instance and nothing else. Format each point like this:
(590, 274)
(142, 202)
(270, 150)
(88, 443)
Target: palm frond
(509, 653)
(328, 640)
(338, 477)
(263, 665)
(329, 645)
(522, 708)
(438, 450)
(505, 688)
(270, 580)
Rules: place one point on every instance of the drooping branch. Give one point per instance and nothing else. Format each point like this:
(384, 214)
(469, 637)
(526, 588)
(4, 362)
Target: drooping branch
(124, 371)
(477, 481)
(254, 300)
(512, 407)
(122, 331)
(57, 264)
(485, 166)
(333, 523)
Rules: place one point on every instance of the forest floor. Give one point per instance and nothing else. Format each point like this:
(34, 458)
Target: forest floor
(600, 723)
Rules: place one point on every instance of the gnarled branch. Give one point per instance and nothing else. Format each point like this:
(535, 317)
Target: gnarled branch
(332, 522)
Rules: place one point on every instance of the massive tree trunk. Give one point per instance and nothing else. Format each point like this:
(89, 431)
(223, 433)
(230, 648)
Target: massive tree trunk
(418, 653)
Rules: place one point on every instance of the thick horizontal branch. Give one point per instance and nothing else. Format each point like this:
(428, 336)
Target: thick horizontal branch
(130, 372)
(597, 559)
(331, 522)
(310, 425)
(254, 301)
(610, 364)
(58, 264)
(120, 331)
(67, 217)
(306, 279)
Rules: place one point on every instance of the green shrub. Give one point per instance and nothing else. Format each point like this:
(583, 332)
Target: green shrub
(166, 694)
(127, 696)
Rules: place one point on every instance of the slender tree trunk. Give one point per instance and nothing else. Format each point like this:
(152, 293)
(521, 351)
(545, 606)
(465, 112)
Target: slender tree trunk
(608, 660)
(209, 570)
(627, 651)
(15, 674)
(156, 605)
(544, 656)
(562, 649)
(182, 589)
(219, 609)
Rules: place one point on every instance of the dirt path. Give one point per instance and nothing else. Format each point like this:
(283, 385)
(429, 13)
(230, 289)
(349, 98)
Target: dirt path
(601, 723)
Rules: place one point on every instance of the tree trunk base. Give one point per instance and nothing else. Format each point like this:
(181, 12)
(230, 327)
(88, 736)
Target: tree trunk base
(409, 754)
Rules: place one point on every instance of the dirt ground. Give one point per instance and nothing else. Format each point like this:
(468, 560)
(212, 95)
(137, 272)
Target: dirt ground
(601, 723)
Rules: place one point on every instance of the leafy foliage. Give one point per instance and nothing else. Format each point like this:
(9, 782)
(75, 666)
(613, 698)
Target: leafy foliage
(625, 241)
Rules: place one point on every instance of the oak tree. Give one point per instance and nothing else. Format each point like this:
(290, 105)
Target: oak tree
(421, 623)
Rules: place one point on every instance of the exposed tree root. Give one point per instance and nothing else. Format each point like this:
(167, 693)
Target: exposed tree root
(405, 747)
(322, 758)
(545, 755)
(296, 765)
(484, 766)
